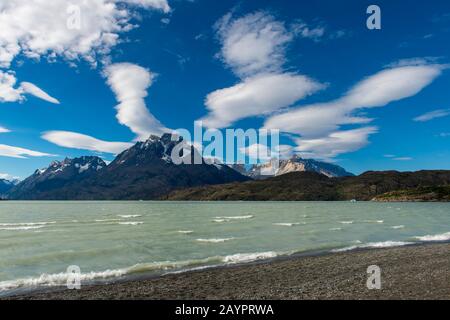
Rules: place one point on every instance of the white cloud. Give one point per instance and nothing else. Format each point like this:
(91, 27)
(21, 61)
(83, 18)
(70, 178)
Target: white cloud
(37, 28)
(304, 30)
(432, 115)
(253, 43)
(32, 89)
(258, 95)
(9, 92)
(4, 130)
(84, 142)
(20, 153)
(396, 158)
(403, 159)
(376, 91)
(262, 152)
(6, 176)
(335, 143)
(254, 47)
(130, 83)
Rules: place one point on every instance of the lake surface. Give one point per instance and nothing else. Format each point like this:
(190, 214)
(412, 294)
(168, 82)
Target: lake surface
(111, 240)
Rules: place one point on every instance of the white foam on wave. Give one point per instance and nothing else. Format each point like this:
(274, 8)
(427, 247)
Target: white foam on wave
(60, 279)
(236, 217)
(185, 231)
(131, 223)
(374, 221)
(220, 220)
(130, 216)
(26, 224)
(346, 222)
(287, 224)
(436, 237)
(249, 257)
(23, 228)
(398, 227)
(336, 229)
(107, 220)
(215, 240)
(384, 244)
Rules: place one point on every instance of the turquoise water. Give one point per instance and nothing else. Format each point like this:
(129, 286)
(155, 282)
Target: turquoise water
(109, 240)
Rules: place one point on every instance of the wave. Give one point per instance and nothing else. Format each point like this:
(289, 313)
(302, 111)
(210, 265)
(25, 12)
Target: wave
(336, 229)
(185, 231)
(398, 227)
(60, 279)
(130, 216)
(374, 221)
(385, 244)
(26, 224)
(214, 240)
(436, 237)
(287, 224)
(346, 222)
(220, 220)
(23, 228)
(107, 220)
(249, 257)
(236, 217)
(131, 223)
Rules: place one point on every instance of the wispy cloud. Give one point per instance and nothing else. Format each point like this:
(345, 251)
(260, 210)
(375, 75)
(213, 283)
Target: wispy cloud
(130, 83)
(84, 142)
(375, 91)
(9, 92)
(304, 30)
(37, 92)
(4, 130)
(20, 153)
(432, 115)
(334, 144)
(403, 159)
(319, 124)
(397, 158)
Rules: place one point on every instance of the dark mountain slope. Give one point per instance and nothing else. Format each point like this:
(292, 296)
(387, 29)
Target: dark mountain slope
(5, 186)
(305, 186)
(56, 176)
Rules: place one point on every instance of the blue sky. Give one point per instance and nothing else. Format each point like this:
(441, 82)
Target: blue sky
(365, 99)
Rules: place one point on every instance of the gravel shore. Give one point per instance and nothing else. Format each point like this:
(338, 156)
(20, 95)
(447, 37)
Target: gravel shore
(413, 272)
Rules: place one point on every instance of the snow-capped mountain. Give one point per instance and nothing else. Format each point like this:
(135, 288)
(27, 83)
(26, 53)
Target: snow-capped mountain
(5, 186)
(57, 175)
(69, 168)
(144, 171)
(295, 164)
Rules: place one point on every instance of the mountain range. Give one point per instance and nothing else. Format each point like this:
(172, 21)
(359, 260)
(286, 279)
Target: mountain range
(146, 172)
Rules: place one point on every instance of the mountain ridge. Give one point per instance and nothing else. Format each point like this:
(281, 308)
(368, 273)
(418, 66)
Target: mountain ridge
(311, 186)
(294, 164)
(143, 172)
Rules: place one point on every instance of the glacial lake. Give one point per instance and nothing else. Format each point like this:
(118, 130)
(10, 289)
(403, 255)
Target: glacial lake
(113, 240)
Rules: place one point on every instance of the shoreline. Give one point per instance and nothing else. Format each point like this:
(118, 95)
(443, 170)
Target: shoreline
(417, 271)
